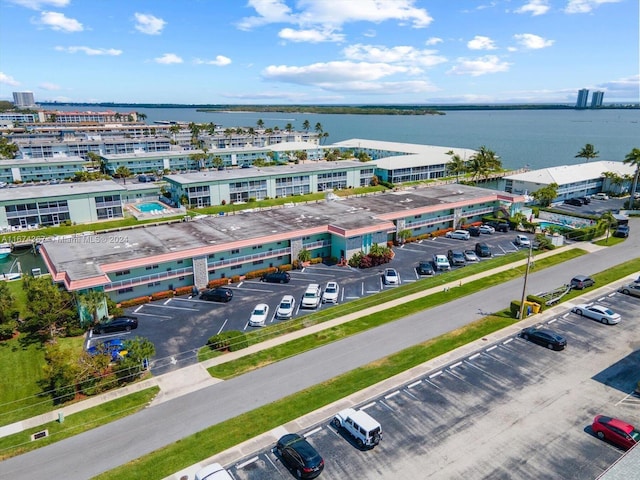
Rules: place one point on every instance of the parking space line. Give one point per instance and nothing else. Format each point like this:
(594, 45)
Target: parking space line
(270, 461)
(453, 374)
(312, 432)
(168, 300)
(391, 395)
(553, 320)
(490, 375)
(173, 308)
(138, 309)
(433, 375)
(636, 400)
(411, 394)
(432, 384)
(152, 315)
(566, 315)
(248, 462)
(223, 324)
(411, 385)
(507, 341)
(474, 356)
(351, 298)
(613, 294)
(491, 348)
(368, 405)
(384, 404)
(600, 299)
(455, 365)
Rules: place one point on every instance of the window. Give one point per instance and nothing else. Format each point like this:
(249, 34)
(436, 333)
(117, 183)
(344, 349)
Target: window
(258, 262)
(125, 290)
(123, 272)
(180, 262)
(235, 250)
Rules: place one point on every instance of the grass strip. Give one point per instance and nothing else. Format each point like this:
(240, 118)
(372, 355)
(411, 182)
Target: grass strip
(250, 362)
(20, 443)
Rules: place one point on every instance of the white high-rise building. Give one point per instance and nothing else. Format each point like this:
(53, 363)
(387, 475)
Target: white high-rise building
(23, 99)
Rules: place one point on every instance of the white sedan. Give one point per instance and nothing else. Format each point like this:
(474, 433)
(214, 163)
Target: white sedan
(597, 312)
(259, 315)
(488, 229)
(458, 234)
(286, 307)
(390, 277)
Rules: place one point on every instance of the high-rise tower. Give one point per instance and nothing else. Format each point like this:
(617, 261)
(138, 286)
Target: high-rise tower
(583, 94)
(23, 99)
(596, 99)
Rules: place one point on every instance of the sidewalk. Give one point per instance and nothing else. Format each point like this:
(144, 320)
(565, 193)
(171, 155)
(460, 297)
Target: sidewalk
(194, 377)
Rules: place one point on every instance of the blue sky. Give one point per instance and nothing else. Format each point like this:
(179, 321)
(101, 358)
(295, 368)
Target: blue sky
(319, 51)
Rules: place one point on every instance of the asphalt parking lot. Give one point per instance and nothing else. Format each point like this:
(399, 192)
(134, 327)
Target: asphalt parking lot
(596, 207)
(512, 409)
(179, 326)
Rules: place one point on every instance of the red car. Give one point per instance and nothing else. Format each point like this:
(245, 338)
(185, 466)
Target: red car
(615, 431)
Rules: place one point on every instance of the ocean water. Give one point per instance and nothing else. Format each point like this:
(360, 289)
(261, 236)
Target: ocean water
(533, 138)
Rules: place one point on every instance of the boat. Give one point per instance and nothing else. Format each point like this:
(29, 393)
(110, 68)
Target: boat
(5, 250)
(14, 273)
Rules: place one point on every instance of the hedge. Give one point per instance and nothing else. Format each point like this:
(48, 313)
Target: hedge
(228, 341)
(183, 290)
(217, 282)
(134, 302)
(161, 295)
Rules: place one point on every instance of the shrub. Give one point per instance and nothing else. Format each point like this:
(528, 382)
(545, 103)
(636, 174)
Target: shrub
(134, 301)
(217, 282)
(260, 273)
(228, 341)
(235, 279)
(514, 307)
(161, 295)
(316, 260)
(7, 329)
(285, 268)
(539, 300)
(223, 202)
(183, 290)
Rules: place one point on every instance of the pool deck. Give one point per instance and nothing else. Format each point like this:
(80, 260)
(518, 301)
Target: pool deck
(166, 211)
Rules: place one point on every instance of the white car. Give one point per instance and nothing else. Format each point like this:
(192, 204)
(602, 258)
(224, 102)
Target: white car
(441, 262)
(213, 472)
(259, 315)
(488, 229)
(459, 234)
(390, 277)
(600, 196)
(286, 307)
(470, 256)
(331, 292)
(597, 312)
(522, 241)
(312, 296)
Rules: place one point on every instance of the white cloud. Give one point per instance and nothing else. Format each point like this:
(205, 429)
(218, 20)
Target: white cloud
(311, 36)
(433, 41)
(585, 6)
(49, 86)
(8, 80)
(402, 54)
(168, 59)
(90, 51)
(532, 42)
(480, 42)
(336, 13)
(622, 88)
(332, 72)
(58, 22)
(149, 24)
(38, 4)
(479, 66)
(535, 7)
(219, 61)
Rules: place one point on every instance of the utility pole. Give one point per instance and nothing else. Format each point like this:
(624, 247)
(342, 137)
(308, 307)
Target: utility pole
(524, 287)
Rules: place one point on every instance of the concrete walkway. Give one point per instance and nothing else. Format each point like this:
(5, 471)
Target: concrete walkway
(194, 377)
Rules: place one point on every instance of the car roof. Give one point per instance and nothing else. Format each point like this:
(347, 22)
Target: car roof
(440, 257)
(615, 422)
(364, 420)
(581, 277)
(213, 472)
(287, 298)
(261, 306)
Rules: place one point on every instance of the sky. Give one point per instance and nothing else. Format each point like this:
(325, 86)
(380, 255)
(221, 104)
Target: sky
(319, 51)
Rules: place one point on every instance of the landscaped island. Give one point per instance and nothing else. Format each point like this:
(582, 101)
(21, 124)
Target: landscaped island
(334, 109)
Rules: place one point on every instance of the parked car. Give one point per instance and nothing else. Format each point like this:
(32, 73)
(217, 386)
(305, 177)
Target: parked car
(487, 229)
(576, 202)
(118, 324)
(213, 472)
(276, 277)
(474, 231)
(312, 296)
(286, 307)
(441, 262)
(114, 347)
(544, 337)
(585, 200)
(597, 312)
(615, 431)
(458, 234)
(600, 196)
(483, 250)
(259, 315)
(331, 292)
(471, 256)
(219, 294)
(522, 241)
(425, 268)
(456, 258)
(499, 226)
(298, 455)
(632, 289)
(580, 282)
(622, 231)
(364, 429)
(390, 277)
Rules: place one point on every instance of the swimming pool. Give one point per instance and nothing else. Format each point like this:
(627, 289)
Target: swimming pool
(557, 226)
(149, 207)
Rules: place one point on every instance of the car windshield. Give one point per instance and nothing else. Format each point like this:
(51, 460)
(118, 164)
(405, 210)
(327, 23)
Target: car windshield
(391, 273)
(285, 305)
(258, 311)
(635, 434)
(310, 294)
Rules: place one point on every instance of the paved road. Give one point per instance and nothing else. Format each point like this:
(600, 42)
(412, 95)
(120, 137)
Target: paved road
(104, 448)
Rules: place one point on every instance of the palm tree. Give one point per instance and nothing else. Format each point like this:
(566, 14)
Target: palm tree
(174, 129)
(318, 128)
(633, 159)
(306, 126)
(141, 116)
(123, 172)
(260, 124)
(456, 165)
(587, 152)
(484, 162)
(92, 301)
(288, 127)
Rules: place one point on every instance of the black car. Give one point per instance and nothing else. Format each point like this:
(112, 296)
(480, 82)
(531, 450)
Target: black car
(580, 282)
(425, 268)
(585, 200)
(456, 258)
(544, 337)
(499, 226)
(276, 277)
(118, 324)
(299, 456)
(483, 250)
(573, 201)
(622, 231)
(219, 294)
(474, 231)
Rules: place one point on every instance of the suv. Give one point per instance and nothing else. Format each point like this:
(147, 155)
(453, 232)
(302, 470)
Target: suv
(425, 268)
(276, 277)
(219, 294)
(298, 455)
(456, 258)
(622, 231)
(522, 241)
(580, 282)
(483, 250)
(459, 234)
(601, 196)
(365, 430)
(474, 231)
(312, 296)
(441, 262)
(573, 201)
(331, 293)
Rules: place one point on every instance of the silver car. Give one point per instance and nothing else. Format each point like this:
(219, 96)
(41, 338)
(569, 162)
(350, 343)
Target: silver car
(458, 234)
(632, 289)
(597, 312)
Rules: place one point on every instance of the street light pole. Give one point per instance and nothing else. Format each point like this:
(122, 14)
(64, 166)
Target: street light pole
(524, 286)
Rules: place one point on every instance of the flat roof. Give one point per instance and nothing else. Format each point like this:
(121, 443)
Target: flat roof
(564, 174)
(83, 258)
(56, 160)
(308, 166)
(30, 192)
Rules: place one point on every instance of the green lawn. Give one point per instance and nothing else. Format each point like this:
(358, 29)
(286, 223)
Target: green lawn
(609, 242)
